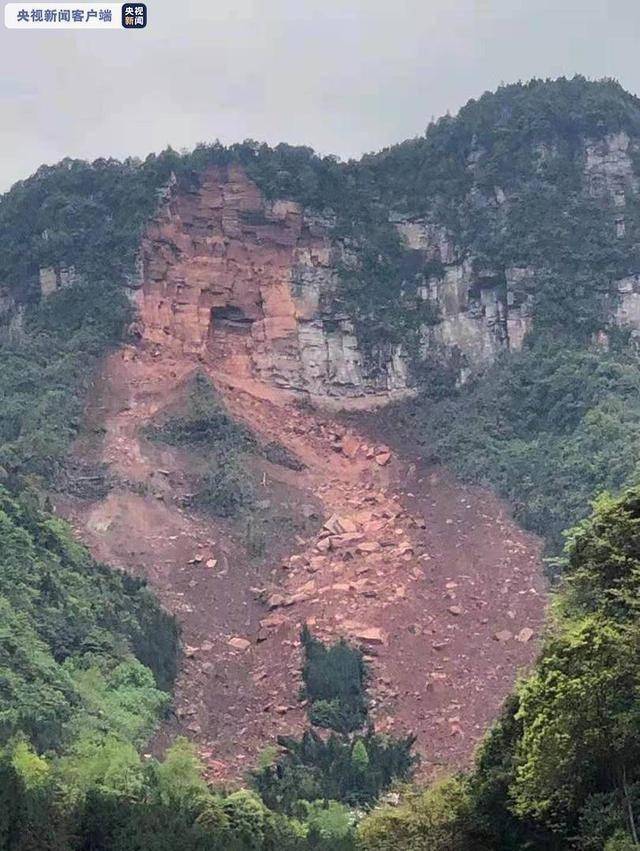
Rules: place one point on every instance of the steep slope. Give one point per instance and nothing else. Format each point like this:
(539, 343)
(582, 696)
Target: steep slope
(439, 587)
(558, 769)
(536, 187)
(76, 639)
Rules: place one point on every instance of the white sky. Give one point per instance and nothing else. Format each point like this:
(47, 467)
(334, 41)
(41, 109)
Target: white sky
(344, 76)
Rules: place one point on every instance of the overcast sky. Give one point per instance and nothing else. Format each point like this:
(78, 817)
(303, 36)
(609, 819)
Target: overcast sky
(344, 76)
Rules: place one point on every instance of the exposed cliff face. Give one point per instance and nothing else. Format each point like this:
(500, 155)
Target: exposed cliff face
(480, 312)
(234, 278)
(11, 317)
(248, 283)
(483, 311)
(609, 172)
(609, 167)
(54, 278)
(627, 312)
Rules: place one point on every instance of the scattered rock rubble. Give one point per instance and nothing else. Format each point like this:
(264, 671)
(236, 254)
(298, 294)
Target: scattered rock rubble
(439, 588)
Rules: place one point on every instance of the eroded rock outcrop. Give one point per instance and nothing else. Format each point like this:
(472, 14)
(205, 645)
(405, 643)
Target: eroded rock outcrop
(627, 312)
(247, 282)
(11, 317)
(250, 284)
(230, 276)
(609, 167)
(481, 311)
(54, 278)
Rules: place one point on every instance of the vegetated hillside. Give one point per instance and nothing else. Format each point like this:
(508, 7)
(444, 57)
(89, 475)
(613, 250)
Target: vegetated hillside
(549, 426)
(553, 424)
(225, 485)
(86, 653)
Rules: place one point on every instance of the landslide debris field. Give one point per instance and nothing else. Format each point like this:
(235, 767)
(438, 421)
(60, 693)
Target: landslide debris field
(431, 578)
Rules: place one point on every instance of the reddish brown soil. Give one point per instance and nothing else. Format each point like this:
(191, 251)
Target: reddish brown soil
(425, 574)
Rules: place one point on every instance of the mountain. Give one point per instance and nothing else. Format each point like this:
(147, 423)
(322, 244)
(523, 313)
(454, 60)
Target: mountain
(357, 283)
(239, 373)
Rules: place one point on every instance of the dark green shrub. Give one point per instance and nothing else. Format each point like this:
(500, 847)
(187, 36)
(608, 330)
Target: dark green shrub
(334, 684)
(334, 769)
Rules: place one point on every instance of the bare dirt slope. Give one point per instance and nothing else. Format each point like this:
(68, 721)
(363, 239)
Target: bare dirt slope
(432, 578)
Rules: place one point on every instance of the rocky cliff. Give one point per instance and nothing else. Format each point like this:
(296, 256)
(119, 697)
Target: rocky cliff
(246, 282)
(480, 311)
(512, 212)
(230, 276)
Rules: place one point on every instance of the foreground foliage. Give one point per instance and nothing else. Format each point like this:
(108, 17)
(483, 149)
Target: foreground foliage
(83, 650)
(353, 770)
(120, 802)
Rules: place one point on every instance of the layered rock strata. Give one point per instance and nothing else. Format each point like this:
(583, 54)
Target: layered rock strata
(231, 276)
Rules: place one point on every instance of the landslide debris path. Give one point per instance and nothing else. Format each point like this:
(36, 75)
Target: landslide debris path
(432, 578)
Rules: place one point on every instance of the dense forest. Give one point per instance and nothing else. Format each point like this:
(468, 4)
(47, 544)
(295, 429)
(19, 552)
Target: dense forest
(87, 656)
